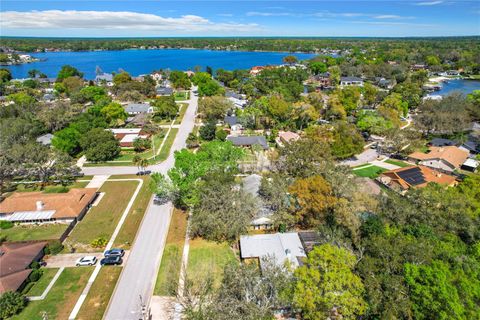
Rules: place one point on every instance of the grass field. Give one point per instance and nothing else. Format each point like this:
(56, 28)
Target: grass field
(102, 219)
(369, 172)
(398, 163)
(169, 272)
(55, 188)
(183, 109)
(208, 258)
(97, 299)
(60, 300)
(42, 283)
(167, 146)
(34, 232)
(182, 96)
(132, 222)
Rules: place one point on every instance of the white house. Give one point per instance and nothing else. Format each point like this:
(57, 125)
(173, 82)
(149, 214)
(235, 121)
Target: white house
(351, 81)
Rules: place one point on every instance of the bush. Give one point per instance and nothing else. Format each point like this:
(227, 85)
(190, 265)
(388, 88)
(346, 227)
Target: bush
(11, 303)
(99, 242)
(35, 275)
(53, 247)
(35, 265)
(6, 224)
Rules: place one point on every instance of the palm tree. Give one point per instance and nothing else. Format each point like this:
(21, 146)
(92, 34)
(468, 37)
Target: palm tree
(143, 163)
(136, 161)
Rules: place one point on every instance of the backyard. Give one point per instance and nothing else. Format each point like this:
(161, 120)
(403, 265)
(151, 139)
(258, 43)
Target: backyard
(102, 219)
(31, 232)
(62, 297)
(169, 272)
(369, 171)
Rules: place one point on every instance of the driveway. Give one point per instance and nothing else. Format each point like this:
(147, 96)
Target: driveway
(69, 259)
(368, 155)
(137, 279)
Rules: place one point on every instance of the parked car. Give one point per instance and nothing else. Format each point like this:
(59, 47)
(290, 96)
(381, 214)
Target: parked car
(159, 200)
(114, 253)
(111, 260)
(86, 261)
(144, 173)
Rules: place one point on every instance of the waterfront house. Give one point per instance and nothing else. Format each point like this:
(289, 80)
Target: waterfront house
(106, 78)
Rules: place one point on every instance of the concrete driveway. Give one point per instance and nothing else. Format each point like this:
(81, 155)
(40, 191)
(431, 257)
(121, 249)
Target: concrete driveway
(368, 155)
(69, 259)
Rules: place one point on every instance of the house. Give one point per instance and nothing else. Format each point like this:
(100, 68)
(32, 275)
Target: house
(48, 97)
(351, 81)
(283, 248)
(136, 108)
(285, 137)
(104, 78)
(384, 83)
(164, 91)
(323, 80)
(248, 141)
(471, 146)
(39, 207)
(256, 70)
(417, 67)
(263, 217)
(126, 136)
(239, 103)
(15, 258)
(190, 73)
(45, 139)
(439, 142)
(470, 165)
(447, 158)
(156, 76)
(402, 179)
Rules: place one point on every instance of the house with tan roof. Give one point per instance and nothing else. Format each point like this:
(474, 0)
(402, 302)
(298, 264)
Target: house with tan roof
(403, 179)
(15, 258)
(285, 137)
(448, 158)
(35, 207)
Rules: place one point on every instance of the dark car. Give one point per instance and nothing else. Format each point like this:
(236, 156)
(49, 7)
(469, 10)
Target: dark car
(111, 260)
(144, 173)
(114, 253)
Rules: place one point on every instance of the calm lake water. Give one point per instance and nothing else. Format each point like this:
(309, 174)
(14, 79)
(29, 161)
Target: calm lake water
(463, 86)
(138, 62)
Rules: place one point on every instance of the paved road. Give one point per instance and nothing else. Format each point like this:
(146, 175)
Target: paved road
(137, 278)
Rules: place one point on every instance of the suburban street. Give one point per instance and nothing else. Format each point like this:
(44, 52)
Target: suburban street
(139, 273)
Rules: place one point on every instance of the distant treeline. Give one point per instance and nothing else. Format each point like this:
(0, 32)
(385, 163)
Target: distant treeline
(301, 44)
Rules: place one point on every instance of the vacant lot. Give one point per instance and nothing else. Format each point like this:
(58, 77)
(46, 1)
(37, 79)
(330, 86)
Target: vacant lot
(97, 299)
(101, 220)
(34, 232)
(42, 283)
(132, 223)
(169, 272)
(369, 172)
(208, 258)
(60, 300)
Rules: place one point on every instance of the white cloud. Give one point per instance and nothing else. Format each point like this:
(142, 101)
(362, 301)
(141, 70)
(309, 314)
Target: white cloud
(116, 20)
(428, 3)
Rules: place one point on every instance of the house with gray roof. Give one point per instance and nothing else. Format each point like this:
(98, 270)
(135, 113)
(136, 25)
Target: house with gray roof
(283, 248)
(249, 141)
(164, 91)
(104, 77)
(45, 139)
(351, 81)
(136, 108)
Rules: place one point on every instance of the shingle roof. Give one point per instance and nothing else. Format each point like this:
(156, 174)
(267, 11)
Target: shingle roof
(137, 107)
(450, 154)
(231, 120)
(249, 141)
(351, 79)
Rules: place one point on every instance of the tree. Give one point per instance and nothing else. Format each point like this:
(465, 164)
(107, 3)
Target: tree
(72, 85)
(67, 140)
(93, 93)
(5, 75)
(122, 78)
(99, 145)
(180, 80)
(165, 107)
(347, 141)
(326, 287)
(370, 93)
(210, 88)
(290, 59)
(161, 186)
(208, 130)
(11, 303)
(114, 114)
(317, 67)
(221, 134)
(313, 200)
(68, 71)
(214, 108)
(141, 144)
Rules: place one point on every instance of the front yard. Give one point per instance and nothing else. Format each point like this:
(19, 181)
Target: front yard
(369, 171)
(51, 231)
(42, 283)
(60, 301)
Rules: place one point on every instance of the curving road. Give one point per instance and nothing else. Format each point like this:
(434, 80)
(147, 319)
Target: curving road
(139, 273)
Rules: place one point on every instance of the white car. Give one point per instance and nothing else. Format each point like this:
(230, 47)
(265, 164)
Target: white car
(86, 261)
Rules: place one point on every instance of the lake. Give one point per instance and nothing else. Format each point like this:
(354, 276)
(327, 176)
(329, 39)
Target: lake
(138, 62)
(463, 86)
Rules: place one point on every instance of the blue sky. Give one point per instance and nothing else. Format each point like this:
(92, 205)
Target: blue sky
(239, 18)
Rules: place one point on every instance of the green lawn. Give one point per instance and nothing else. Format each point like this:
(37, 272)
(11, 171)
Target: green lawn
(183, 109)
(102, 219)
(60, 300)
(169, 271)
(208, 258)
(99, 295)
(132, 222)
(369, 172)
(167, 146)
(39, 287)
(54, 188)
(182, 95)
(398, 163)
(34, 232)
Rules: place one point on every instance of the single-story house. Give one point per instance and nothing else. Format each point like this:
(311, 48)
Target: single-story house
(405, 178)
(248, 141)
(446, 158)
(164, 91)
(45, 139)
(440, 142)
(230, 120)
(283, 248)
(126, 136)
(136, 108)
(47, 80)
(256, 70)
(285, 137)
(385, 83)
(39, 207)
(104, 77)
(351, 81)
(471, 146)
(417, 67)
(15, 258)
(48, 97)
(470, 165)
(238, 103)
(263, 217)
